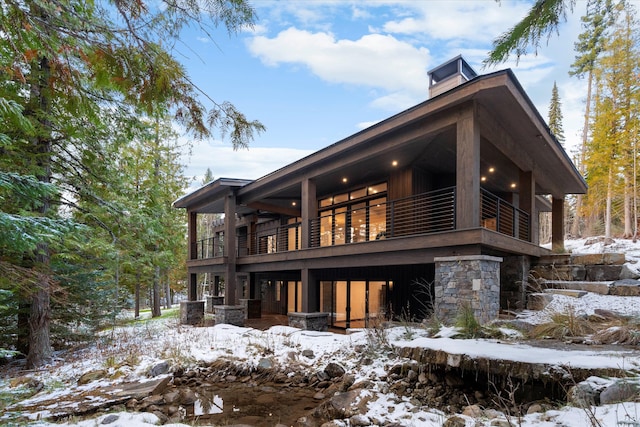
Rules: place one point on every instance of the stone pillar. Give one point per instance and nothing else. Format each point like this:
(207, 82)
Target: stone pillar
(471, 279)
(229, 314)
(191, 312)
(309, 321)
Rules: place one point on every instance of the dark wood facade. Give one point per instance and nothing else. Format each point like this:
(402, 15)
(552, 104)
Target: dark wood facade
(464, 173)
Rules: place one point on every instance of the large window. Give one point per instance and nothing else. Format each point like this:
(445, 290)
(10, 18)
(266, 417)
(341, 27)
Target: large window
(354, 303)
(356, 216)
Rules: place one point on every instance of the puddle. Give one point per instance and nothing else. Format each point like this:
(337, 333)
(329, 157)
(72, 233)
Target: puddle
(260, 406)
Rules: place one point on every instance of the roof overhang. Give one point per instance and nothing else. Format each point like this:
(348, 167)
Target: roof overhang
(210, 197)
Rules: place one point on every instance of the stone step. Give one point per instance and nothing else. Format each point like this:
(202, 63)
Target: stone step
(602, 288)
(625, 287)
(576, 293)
(581, 272)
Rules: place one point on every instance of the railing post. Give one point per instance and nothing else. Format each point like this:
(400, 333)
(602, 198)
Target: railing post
(392, 217)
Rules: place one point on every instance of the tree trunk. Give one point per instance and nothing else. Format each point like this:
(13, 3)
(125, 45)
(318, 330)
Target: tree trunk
(40, 350)
(628, 228)
(575, 227)
(607, 216)
(137, 297)
(155, 309)
(168, 292)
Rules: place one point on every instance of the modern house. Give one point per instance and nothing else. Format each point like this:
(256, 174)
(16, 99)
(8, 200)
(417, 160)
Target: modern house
(431, 208)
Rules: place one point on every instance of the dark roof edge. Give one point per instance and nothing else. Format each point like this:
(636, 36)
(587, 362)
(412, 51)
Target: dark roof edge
(546, 125)
(219, 184)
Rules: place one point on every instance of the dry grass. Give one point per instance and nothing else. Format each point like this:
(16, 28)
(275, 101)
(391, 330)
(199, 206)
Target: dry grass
(564, 325)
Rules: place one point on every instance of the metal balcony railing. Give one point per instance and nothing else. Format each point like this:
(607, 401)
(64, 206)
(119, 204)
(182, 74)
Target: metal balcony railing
(212, 247)
(501, 216)
(426, 213)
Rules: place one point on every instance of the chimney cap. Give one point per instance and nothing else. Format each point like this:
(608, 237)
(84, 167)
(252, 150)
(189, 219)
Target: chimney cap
(454, 66)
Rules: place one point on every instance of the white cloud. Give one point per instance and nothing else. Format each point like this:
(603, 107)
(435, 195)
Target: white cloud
(374, 60)
(224, 162)
(474, 21)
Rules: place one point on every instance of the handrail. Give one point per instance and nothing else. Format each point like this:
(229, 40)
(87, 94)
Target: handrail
(426, 213)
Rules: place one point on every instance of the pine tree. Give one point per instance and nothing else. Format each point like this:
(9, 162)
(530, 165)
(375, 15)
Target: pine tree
(67, 64)
(555, 115)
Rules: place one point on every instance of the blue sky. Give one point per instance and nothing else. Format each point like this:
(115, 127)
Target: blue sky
(316, 71)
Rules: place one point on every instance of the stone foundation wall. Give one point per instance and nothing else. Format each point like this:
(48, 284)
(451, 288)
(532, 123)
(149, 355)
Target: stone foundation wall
(473, 280)
(309, 321)
(514, 276)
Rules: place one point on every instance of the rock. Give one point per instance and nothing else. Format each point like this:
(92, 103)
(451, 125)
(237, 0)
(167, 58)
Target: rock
(455, 421)
(412, 376)
(628, 273)
(334, 423)
(153, 400)
(626, 287)
(343, 405)
(319, 396)
(333, 370)
(473, 411)
(422, 378)
(359, 420)
(347, 381)
(171, 397)
(534, 409)
(501, 423)
(159, 369)
(111, 418)
(187, 396)
(309, 354)
(88, 377)
(620, 391)
(583, 395)
(265, 363)
(322, 376)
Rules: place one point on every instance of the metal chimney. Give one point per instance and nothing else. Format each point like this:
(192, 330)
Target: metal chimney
(449, 75)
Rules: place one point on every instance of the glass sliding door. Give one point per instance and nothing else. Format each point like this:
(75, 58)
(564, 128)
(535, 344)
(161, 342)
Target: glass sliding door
(351, 304)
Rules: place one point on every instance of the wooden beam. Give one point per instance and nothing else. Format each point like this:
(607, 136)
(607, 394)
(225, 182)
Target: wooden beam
(230, 249)
(557, 225)
(467, 169)
(274, 208)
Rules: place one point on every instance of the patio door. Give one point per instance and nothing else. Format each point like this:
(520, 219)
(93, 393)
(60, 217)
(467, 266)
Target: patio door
(353, 303)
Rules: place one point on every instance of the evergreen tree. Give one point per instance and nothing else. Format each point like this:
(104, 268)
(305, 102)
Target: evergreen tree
(555, 115)
(542, 20)
(67, 64)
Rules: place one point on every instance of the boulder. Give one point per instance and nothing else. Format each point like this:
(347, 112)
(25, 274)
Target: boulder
(333, 370)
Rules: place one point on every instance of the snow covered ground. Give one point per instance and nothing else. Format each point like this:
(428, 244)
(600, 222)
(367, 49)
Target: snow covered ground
(149, 342)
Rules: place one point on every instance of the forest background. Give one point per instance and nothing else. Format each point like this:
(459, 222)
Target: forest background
(94, 111)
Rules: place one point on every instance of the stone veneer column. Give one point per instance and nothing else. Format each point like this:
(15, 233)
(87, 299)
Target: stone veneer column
(471, 279)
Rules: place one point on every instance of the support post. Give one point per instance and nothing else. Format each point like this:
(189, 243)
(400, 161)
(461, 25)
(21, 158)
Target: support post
(557, 225)
(230, 296)
(309, 210)
(468, 169)
(527, 203)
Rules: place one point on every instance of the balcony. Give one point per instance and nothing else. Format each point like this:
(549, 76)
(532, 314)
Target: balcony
(427, 213)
